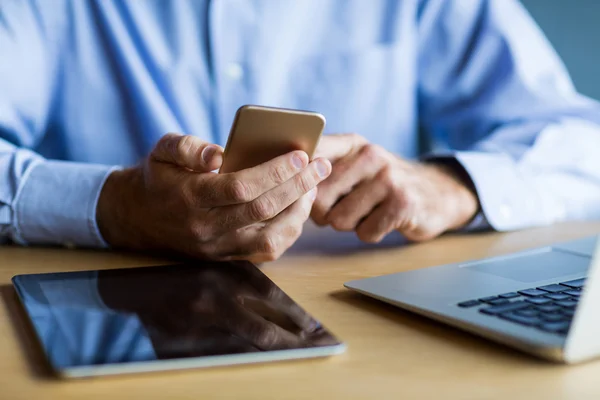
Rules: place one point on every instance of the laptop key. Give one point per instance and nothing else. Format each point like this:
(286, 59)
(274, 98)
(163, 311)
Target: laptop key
(511, 306)
(566, 303)
(554, 317)
(552, 288)
(576, 283)
(532, 292)
(568, 312)
(509, 295)
(557, 296)
(470, 303)
(519, 319)
(538, 300)
(554, 326)
(574, 293)
(528, 312)
(548, 308)
(497, 302)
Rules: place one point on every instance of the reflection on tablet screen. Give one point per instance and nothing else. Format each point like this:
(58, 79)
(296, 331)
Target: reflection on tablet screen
(167, 312)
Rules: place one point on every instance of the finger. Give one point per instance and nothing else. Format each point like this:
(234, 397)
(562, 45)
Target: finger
(379, 223)
(263, 334)
(271, 203)
(248, 184)
(280, 314)
(350, 210)
(268, 240)
(347, 173)
(334, 147)
(259, 286)
(188, 152)
(288, 227)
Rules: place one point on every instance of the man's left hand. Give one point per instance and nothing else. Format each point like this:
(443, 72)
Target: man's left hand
(373, 192)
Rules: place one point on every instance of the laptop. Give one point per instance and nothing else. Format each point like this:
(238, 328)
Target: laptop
(542, 301)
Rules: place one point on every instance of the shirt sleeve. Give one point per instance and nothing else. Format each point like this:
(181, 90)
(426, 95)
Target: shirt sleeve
(41, 201)
(495, 96)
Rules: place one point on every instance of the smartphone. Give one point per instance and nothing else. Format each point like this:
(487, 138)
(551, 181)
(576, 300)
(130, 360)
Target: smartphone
(259, 134)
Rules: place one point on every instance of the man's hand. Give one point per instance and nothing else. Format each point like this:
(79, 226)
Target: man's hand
(373, 192)
(174, 202)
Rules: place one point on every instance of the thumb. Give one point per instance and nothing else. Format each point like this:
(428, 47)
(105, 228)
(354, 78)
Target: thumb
(336, 146)
(188, 152)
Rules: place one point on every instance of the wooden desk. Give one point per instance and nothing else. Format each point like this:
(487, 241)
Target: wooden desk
(391, 354)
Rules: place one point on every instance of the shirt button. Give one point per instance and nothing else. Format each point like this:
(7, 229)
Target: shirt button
(234, 71)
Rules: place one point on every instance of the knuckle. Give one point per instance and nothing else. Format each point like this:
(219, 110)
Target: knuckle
(371, 153)
(237, 191)
(318, 212)
(293, 231)
(198, 232)
(185, 145)
(261, 209)
(267, 245)
(208, 249)
(368, 235)
(341, 224)
(306, 182)
(369, 238)
(387, 178)
(278, 173)
(363, 235)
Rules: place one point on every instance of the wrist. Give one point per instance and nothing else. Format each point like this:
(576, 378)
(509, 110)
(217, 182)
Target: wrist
(460, 197)
(113, 212)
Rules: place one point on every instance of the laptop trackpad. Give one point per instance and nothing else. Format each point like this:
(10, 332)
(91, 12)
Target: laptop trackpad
(534, 267)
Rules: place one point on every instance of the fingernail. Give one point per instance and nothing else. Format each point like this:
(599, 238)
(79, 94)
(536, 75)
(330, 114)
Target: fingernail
(208, 153)
(297, 161)
(322, 168)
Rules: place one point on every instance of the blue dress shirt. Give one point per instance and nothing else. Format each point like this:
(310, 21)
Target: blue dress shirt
(86, 86)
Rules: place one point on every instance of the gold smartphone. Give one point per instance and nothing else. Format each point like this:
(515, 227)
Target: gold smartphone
(259, 134)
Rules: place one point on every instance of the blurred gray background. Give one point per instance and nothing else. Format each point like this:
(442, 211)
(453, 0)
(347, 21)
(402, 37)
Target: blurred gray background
(573, 28)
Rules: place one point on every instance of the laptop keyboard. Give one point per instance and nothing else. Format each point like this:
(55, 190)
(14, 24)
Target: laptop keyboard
(549, 308)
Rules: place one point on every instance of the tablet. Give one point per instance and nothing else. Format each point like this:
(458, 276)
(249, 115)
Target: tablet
(201, 314)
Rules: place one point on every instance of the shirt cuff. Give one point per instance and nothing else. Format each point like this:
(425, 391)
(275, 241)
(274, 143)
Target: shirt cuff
(57, 204)
(508, 197)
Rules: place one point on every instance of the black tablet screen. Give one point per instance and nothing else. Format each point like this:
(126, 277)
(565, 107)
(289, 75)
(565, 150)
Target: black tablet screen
(166, 312)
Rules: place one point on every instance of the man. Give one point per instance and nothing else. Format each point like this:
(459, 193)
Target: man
(465, 119)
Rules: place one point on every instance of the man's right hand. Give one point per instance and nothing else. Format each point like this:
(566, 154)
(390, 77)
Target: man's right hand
(173, 202)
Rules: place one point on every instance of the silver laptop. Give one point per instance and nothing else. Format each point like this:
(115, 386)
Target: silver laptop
(543, 301)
